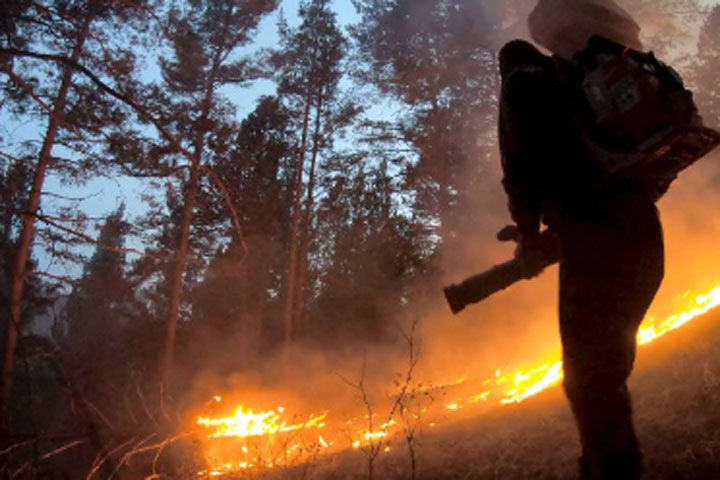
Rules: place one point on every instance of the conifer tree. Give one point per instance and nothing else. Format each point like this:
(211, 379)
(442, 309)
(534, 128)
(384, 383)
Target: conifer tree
(370, 254)
(39, 54)
(308, 65)
(205, 38)
(438, 58)
(233, 306)
(92, 329)
(91, 316)
(14, 191)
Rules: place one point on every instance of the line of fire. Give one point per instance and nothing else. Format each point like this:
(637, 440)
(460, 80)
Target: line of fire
(359, 239)
(247, 439)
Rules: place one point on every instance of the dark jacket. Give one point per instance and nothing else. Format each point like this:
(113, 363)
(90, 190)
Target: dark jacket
(547, 169)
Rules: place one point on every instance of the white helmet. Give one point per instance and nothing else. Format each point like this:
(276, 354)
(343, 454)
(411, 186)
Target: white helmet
(565, 26)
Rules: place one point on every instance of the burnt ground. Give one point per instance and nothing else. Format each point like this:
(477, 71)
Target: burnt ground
(676, 388)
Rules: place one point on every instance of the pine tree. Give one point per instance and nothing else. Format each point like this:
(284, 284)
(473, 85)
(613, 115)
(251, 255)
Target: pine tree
(92, 330)
(14, 191)
(309, 71)
(92, 314)
(43, 88)
(438, 58)
(370, 255)
(232, 307)
(205, 36)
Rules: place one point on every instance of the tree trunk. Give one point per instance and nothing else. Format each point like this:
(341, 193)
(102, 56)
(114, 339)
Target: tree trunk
(441, 155)
(447, 254)
(191, 191)
(11, 189)
(24, 248)
(307, 221)
(289, 317)
(177, 279)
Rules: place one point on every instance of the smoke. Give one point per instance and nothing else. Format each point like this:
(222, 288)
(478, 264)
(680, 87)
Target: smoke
(692, 227)
(519, 326)
(512, 329)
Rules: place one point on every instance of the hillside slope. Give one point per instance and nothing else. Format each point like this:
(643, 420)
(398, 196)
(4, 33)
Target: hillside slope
(676, 389)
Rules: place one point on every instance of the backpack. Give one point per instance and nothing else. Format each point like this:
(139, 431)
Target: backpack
(637, 119)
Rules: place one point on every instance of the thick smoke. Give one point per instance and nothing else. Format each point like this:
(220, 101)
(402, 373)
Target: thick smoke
(517, 327)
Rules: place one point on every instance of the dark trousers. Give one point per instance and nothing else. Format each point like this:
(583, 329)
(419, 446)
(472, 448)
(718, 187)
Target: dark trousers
(610, 269)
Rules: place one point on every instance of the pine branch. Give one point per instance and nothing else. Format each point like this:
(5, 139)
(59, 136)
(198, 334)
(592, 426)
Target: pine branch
(139, 109)
(29, 90)
(228, 201)
(67, 198)
(70, 281)
(11, 158)
(48, 221)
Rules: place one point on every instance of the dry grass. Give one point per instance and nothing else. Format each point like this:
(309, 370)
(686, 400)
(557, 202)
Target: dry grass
(676, 389)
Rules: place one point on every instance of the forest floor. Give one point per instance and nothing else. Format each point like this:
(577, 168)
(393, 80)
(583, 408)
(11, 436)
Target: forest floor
(676, 391)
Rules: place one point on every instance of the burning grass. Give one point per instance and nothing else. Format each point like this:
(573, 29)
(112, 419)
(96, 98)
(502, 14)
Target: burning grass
(252, 441)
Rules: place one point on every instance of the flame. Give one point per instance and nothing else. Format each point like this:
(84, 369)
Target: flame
(531, 383)
(528, 384)
(651, 330)
(246, 423)
(480, 397)
(502, 388)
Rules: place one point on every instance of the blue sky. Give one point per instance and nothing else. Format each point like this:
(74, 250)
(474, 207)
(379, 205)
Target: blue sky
(106, 194)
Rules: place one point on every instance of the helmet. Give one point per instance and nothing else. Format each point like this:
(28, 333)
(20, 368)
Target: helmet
(565, 26)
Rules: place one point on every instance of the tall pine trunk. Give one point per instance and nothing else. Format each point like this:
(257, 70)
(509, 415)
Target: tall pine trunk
(307, 222)
(291, 286)
(24, 247)
(183, 248)
(176, 284)
(440, 154)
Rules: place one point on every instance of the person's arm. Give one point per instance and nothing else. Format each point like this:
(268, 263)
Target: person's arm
(520, 136)
(525, 211)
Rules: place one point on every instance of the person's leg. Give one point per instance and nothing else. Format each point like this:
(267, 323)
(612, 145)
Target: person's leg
(601, 404)
(609, 274)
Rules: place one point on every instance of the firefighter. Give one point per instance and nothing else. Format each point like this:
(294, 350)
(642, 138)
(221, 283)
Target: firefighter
(611, 251)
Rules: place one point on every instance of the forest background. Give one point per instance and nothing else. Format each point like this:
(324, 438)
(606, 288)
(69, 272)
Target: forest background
(202, 195)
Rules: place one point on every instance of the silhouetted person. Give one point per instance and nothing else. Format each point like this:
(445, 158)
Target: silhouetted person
(611, 250)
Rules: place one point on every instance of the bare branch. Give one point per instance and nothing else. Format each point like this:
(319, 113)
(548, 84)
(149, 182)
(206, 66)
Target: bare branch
(139, 109)
(62, 449)
(127, 455)
(70, 281)
(143, 402)
(11, 158)
(29, 90)
(70, 199)
(16, 446)
(228, 202)
(91, 240)
(47, 455)
(101, 461)
(99, 414)
(156, 447)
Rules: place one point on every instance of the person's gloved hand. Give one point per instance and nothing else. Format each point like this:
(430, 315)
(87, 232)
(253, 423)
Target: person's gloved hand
(534, 252)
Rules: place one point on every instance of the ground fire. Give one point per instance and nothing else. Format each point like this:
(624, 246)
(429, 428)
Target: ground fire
(258, 440)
